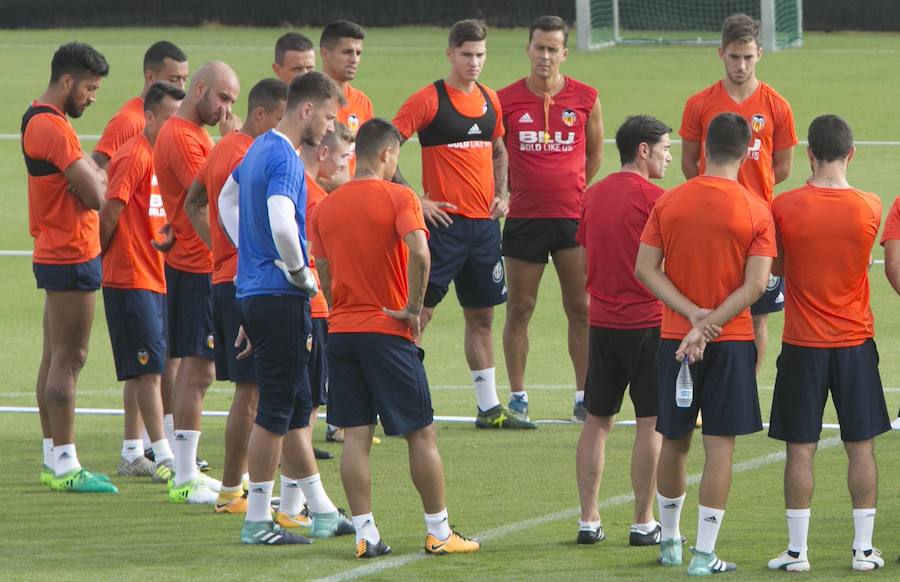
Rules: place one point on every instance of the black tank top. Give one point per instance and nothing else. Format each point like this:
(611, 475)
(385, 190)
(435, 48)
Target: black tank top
(450, 126)
(37, 167)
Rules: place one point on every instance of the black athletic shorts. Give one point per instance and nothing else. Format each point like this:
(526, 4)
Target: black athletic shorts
(226, 323)
(535, 239)
(136, 319)
(189, 306)
(619, 358)
(318, 364)
(772, 299)
(73, 277)
(806, 375)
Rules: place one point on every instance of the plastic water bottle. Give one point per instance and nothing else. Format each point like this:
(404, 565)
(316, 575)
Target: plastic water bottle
(684, 386)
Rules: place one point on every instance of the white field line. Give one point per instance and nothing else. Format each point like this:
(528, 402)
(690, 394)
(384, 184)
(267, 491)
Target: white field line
(517, 527)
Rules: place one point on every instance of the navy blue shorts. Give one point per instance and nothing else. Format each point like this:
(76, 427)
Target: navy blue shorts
(467, 253)
(189, 303)
(724, 390)
(535, 239)
(76, 277)
(318, 362)
(772, 299)
(280, 328)
(226, 322)
(377, 375)
(618, 359)
(805, 376)
(137, 331)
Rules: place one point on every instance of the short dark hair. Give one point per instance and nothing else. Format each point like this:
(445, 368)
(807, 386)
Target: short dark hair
(469, 30)
(373, 136)
(159, 52)
(77, 59)
(158, 91)
(636, 130)
(830, 138)
(315, 87)
(727, 138)
(549, 24)
(267, 94)
(739, 28)
(338, 29)
(291, 41)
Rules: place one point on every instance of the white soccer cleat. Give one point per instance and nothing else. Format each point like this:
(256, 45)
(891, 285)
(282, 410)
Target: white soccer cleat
(194, 492)
(865, 560)
(790, 563)
(213, 484)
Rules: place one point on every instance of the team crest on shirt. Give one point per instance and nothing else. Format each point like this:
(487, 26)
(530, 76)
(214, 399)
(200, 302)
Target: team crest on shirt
(210, 342)
(309, 343)
(353, 122)
(569, 117)
(773, 283)
(143, 357)
(497, 274)
(757, 122)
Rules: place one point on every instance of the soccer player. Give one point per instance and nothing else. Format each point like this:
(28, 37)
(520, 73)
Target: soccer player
(163, 61)
(181, 148)
(65, 191)
(341, 46)
(375, 271)
(624, 333)
(134, 284)
(771, 145)
(460, 127)
(825, 231)
(263, 210)
(265, 108)
(295, 55)
(890, 240)
(554, 139)
(717, 241)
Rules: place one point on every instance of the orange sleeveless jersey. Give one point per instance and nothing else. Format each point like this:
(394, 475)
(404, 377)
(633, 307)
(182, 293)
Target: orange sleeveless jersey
(318, 305)
(826, 237)
(771, 125)
(181, 149)
(227, 154)
(357, 111)
(366, 255)
(461, 173)
(65, 231)
(130, 261)
(124, 125)
(707, 227)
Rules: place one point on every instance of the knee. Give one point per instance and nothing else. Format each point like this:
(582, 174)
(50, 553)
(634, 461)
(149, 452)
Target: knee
(480, 320)
(576, 309)
(520, 311)
(70, 360)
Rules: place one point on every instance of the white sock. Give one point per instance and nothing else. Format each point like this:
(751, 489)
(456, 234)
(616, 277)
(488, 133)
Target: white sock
(708, 524)
(169, 428)
(66, 460)
(162, 451)
(145, 439)
(798, 529)
(438, 524)
(485, 388)
(316, 498)
(259, 501)
(863, 523)
(292, 498)
(47, 445)
(132, 449)
(365, 528)
(245, 480)
(186, 442)
(589, 525)
(521, 394)
(231, 490)
(645, 527)
(579, 396)
(670, 516)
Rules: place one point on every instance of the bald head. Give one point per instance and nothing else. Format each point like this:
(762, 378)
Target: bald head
(214, 89)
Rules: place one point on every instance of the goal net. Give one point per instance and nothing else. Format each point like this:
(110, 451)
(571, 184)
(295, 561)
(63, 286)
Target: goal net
(604, 23)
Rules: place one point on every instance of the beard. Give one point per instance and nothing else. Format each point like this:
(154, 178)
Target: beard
(208, 115)
(308, 138)
(71, 108)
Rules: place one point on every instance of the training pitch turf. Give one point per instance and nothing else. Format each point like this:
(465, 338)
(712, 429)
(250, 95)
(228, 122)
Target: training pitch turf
(515, 490)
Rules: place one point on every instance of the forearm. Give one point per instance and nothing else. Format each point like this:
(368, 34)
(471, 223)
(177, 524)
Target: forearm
(229, 210)
(501, 169)
(196, 206)
(100, 159)
(107, 229)
(892, 263)
(324, 271)
(739, 300)
(417, 279)
(285, 233)
(592, 164)
(656, 280)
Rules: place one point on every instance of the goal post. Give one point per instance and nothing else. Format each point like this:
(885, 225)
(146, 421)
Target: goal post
(603, 23)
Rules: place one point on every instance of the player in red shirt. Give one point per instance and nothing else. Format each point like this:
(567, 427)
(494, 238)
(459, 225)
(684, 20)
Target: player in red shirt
(464, 170)
(341, 46)
(163, 61)
(717, 241)
(65, 190)
(295, 55)
(826, 230)
(554, 139)
(624, 317)
(374, 272)
(180, 151)
(265, 108)
(134, 284)
(770, 149)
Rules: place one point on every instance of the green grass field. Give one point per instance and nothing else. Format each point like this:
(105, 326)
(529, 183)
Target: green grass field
(515, 490)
